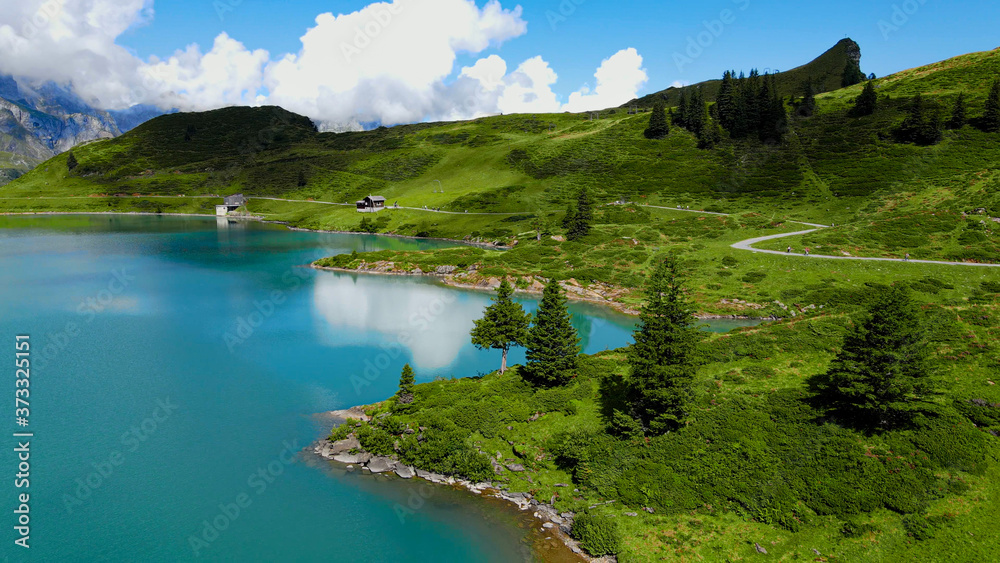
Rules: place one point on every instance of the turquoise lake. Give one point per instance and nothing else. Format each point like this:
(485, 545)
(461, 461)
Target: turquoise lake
(178, 365)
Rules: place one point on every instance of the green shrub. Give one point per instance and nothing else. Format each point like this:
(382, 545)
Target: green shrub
(981, 412)
(340, 432)
(991, 287)
(855, 529)
(597, 533)
(730, 262)
(923, 527)
(375, 440)
(754, 277)
(758, 372)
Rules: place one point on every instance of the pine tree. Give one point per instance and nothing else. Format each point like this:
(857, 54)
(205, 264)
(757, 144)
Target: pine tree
(697, 113)
(725, 100)
(503, 326)
(570, 217)
(302, 181)
(682, 110)
(867, 101)
(852, 75)
(959, 113)
(71, 162)
(658, 126)
(882, 369)
(807, 107)
(553, 344)
(991, 119)
(745, 114)
(583, 216)
(920, 125)
(405, 395)
(662, 357)
(773, 116)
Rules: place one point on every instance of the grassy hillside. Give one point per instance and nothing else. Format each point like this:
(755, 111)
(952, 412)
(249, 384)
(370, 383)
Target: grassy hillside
(507, 178)
(757, 464)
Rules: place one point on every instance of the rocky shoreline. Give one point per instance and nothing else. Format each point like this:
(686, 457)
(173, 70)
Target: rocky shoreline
(349, 453)
(603, 295)
(484, 245)
(597, 294)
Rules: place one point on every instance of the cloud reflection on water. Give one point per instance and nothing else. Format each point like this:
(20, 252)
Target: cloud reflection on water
(430, 322)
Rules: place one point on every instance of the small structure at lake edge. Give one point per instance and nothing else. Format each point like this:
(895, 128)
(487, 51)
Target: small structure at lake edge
(232, 203)
(371, 204)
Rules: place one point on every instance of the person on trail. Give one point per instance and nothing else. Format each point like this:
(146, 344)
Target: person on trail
(807, 252)
(789, 250)
(907, 259)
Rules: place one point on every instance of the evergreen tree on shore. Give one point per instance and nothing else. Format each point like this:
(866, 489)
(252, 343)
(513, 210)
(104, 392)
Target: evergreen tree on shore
(658, 125)
(991, 118)
(959, 113)
(882, 369)
(503, 326)
(662, 356)
(553, 344)
(405, 395)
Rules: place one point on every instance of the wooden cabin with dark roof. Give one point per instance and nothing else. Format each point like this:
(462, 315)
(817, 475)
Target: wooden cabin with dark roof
(371, 204)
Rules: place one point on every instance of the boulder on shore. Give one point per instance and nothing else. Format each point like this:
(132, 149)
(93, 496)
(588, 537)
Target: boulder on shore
(380, 465)
(344, 446)
(349, 459)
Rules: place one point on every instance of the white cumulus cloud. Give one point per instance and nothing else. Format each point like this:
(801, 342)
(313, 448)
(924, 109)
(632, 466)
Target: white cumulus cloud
(389, 62)
(618, 80)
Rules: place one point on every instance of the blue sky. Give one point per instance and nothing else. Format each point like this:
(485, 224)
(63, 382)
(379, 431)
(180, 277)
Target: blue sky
(421, 60)
(765, 34)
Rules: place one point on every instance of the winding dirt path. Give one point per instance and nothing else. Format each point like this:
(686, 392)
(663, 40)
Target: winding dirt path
(748, 245)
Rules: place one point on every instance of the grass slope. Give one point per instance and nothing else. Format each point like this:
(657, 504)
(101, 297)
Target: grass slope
(758, 463)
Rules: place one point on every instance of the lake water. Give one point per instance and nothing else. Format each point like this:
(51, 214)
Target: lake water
(177, 365)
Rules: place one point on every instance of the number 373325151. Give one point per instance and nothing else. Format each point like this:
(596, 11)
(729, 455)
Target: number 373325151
(22, 360)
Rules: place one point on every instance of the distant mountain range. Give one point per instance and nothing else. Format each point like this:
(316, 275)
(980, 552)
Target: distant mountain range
(40, 120)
